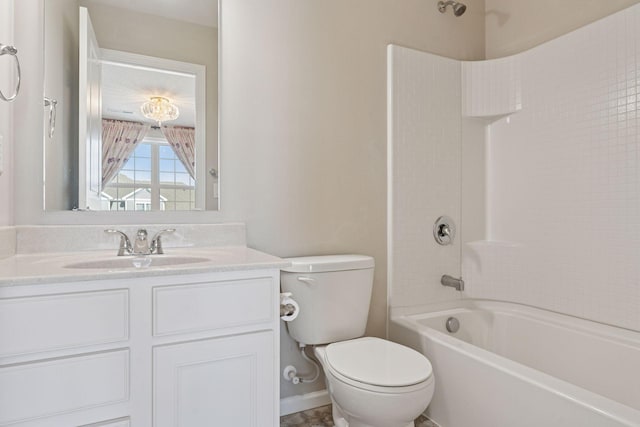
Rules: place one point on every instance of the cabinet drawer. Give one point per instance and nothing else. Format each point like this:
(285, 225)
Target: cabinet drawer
(60, 386)
(212, 305)
(53, 322)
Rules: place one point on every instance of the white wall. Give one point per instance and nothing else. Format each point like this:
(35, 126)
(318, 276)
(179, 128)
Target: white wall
(7, 84)
(564, 175)
(424, 175)
(516, 25)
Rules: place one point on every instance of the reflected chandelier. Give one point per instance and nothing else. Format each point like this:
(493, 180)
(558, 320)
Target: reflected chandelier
(160, 109)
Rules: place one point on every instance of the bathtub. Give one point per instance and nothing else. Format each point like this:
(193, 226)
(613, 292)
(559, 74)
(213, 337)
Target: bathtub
(516, 366)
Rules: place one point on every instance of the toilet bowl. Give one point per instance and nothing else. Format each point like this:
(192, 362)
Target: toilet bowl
(375, 383)
(372, 382)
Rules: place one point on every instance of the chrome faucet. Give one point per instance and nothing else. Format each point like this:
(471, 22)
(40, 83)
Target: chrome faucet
(156, 242)
(125, 243)
(452, 282)
(141, 245)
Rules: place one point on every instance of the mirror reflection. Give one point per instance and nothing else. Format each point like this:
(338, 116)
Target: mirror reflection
(130, 119)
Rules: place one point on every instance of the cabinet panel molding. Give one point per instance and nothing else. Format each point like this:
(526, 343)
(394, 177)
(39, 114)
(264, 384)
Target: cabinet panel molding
(60, 386)
(213, 305)
(224, 381)
(120, 422)
(36, 324)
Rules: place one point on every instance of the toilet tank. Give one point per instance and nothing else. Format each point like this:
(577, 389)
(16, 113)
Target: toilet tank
(333, 292)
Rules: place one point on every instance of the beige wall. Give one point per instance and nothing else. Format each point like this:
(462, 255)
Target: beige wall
(516, 25)
(304, 122)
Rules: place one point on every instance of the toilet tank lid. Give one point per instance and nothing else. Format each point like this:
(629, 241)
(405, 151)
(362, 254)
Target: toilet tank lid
(327, 263)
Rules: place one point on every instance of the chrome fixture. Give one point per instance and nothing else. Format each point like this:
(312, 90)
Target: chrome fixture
(458, 8)
(156, 242)
(452, 325)
(10, 50)
(53, 110)
(141, 245)
(452, 282)
(444, 230)
(125, 243)
(290, 372)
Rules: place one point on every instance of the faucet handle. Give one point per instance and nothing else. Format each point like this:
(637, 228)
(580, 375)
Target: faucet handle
(125, 243)
(156, 242)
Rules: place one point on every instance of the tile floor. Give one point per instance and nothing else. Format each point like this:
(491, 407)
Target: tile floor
(321, 417)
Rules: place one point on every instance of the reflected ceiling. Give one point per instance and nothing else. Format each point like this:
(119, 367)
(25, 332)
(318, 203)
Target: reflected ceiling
(125, 89)
(202, 12)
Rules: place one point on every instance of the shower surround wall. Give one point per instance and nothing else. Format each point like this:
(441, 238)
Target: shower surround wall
(564, 180)
(562, 200)
(424, 173)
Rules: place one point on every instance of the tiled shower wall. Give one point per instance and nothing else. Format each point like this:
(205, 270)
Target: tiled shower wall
(564, 180)
(424, 174)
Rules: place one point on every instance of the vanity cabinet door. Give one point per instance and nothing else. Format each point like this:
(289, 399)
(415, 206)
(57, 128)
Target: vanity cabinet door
(218, 382)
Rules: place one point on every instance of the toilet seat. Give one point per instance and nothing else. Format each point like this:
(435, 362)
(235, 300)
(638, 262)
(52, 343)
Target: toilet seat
(378, 365)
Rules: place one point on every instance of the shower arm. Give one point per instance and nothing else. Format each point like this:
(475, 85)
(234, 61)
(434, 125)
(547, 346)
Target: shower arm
(442, 5)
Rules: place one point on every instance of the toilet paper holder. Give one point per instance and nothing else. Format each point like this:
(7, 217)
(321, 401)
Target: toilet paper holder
(289, 308)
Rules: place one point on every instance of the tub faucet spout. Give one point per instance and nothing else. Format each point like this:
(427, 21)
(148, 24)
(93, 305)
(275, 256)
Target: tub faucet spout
(452, 282)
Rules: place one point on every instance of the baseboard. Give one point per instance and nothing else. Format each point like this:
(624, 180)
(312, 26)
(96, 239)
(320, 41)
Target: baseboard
(302, 402)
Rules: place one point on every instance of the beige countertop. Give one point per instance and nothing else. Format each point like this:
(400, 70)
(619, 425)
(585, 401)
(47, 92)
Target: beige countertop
(44, 268)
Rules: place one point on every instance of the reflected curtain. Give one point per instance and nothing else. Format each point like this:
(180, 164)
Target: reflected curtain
(119, 140)
(183, 142)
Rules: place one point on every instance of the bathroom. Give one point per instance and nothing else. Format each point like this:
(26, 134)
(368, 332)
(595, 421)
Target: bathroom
(304, 162)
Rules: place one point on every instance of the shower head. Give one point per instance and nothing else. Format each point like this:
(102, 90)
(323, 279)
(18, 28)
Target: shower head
(458, 8)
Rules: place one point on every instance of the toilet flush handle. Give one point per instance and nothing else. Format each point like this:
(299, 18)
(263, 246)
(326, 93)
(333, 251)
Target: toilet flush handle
(307, 280)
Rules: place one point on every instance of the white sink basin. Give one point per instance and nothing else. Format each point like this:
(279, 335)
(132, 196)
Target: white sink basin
(138, 262)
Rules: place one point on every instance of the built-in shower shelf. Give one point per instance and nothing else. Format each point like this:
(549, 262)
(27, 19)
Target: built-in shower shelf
(492, 89)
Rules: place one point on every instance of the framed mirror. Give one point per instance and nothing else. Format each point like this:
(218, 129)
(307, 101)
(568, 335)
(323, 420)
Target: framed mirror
(130, 99)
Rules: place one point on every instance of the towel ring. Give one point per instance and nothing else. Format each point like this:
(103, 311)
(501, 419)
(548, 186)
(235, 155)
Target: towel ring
(10, 50)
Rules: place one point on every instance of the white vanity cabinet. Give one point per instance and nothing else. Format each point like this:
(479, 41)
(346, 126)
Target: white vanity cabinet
(170, 350)
(216, 382)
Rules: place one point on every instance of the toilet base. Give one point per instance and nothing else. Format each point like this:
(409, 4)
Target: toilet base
(340, 419)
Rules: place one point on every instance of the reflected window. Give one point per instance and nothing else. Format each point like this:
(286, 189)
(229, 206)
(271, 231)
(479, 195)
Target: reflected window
(152, 179)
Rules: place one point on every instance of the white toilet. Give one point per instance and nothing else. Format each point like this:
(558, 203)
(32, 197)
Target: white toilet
(372, 382)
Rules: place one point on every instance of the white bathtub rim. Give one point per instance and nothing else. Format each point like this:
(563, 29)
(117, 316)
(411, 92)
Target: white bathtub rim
(602, 330)
(589, 400)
